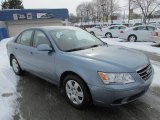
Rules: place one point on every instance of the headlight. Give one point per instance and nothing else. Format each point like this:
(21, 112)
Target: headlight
(120, 78)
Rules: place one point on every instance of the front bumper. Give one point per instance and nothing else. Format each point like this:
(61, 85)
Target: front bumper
(102, 96)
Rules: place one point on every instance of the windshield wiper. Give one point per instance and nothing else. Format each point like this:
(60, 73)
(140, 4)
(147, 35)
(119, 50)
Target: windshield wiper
(75, 49)
(82, 48)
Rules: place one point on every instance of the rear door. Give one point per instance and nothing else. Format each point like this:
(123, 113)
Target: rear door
(98, 30)
(22, 49)
(142, 33)
(114, 31)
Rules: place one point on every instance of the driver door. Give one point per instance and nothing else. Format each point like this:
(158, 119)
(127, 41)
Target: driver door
(42, 61)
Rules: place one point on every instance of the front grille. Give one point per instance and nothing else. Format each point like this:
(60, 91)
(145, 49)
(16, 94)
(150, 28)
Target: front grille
(145, 72)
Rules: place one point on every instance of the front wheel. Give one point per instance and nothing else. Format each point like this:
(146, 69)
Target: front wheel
(76, 92)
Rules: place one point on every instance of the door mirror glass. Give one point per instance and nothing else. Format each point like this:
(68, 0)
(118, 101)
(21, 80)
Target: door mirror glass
(44, 47)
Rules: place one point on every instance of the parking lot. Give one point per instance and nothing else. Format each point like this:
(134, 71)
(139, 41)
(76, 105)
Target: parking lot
(36, 99)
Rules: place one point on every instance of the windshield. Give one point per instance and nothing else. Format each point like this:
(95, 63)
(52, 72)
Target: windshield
(71, 40)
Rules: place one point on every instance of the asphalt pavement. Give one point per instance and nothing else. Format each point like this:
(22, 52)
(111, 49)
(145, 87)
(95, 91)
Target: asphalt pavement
(42, 101)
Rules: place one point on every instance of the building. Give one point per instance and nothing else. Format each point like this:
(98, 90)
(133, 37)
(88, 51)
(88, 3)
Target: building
(14, 21)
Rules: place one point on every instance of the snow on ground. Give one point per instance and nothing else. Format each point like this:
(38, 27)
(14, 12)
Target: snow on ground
(8, 82)
(156, 78)
(145, 46)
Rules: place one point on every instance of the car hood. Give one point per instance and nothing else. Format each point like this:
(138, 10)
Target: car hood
(115, 55)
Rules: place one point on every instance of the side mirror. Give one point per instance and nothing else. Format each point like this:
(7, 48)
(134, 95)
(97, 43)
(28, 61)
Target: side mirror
(44, 47)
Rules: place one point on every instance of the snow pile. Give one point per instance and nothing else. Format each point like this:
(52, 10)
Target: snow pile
(8, 82)
(145, 46)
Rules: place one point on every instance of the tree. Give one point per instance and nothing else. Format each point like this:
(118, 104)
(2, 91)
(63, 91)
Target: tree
(12, 4)
(147, 7)
(5, 5)
(73, 18)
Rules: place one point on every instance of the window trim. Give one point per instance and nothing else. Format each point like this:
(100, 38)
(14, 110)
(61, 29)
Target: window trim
(46, 37)
(20, 35)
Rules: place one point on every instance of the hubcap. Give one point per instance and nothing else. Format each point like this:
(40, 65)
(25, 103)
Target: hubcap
(132, 39)
(108, 36)
(15, 65)
(74, 92)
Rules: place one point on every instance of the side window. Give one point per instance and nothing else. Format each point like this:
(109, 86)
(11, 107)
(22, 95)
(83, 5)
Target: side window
(111, 28)
(114, 28)
(142, 28)
(40, 38)
(135, 28)
(151, 28)
(122, 27)
(18, 40)
(26, 37)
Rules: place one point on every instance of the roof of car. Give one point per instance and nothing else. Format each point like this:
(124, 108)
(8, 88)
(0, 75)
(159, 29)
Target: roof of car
(56, 27)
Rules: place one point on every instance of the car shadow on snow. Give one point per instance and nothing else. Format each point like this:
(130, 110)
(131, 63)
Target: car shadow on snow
(42, 101)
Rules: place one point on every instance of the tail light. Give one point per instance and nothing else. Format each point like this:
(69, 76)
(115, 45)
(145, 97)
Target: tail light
(121, 31)
(155, 34)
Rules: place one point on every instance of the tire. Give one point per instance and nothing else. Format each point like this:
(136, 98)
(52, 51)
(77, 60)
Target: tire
(132, 38)
(15, 66)
(76, 92)
(92, 33)
(108, 35)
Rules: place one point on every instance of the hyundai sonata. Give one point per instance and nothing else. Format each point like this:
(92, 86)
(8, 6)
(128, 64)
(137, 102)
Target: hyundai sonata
(86, 69)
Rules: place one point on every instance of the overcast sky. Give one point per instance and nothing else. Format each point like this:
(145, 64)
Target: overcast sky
(69, 4)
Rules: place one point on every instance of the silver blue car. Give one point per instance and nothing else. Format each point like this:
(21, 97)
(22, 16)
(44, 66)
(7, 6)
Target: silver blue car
(87, 70)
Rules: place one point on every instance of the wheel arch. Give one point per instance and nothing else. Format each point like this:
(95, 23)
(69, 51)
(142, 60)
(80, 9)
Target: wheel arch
(10, 57)
(132, 35)
(65, 74)
(108, 33)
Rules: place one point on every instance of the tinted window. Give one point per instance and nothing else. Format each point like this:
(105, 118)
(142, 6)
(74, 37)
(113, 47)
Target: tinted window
(26, 37)
(150, 28)
(40, 38)
(142, 28)
(122, 27)
(115, 27)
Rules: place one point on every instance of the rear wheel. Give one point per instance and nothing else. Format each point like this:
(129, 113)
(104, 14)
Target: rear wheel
(15, 65)
(92, 33)
(108, 35)
(132, 38)
(76, 92)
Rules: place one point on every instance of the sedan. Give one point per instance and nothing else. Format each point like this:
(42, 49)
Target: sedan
(83, 67)
(138, 33)
(113, 31)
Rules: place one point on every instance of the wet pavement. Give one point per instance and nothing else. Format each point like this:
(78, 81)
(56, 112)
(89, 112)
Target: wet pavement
(42, 101)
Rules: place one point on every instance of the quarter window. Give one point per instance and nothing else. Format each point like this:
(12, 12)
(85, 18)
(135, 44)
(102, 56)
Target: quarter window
(40, 38)
(26, 37)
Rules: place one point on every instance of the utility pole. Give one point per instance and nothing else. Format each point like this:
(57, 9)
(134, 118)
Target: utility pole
(103, 6)
(129, 9)
(111, 10)
(88, 15)
(81, 17)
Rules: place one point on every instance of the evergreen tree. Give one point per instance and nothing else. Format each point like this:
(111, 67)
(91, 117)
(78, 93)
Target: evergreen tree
(12, 4)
